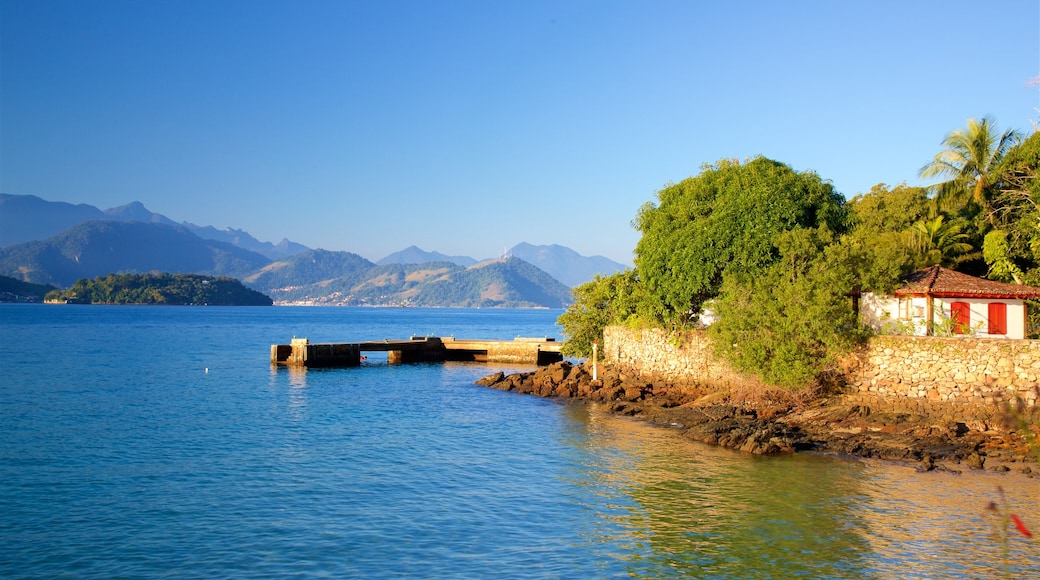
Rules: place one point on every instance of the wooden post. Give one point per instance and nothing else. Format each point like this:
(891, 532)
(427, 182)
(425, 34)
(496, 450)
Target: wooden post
(595, 345)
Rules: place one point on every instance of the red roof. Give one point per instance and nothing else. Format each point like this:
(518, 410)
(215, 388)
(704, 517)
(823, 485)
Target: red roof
(946, 283)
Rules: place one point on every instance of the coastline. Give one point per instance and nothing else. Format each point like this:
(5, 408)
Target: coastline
(774, 426)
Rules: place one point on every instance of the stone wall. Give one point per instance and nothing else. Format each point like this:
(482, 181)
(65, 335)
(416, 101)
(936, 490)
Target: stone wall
(655, 354)
(959, 376)
(978, 376)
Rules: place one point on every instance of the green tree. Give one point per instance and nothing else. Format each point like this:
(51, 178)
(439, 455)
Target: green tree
(970, 161)
(942, 242)
(998, 256)
(790, 323)
(887, 209)
(882, 236)
(1012, 249)
(162, 289)
(605, 301)
(725, 221)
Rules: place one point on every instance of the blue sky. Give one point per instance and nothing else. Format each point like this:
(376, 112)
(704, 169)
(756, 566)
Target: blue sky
(467, 127)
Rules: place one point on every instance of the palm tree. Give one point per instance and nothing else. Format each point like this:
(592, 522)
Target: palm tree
(941, 242)
(970, 160)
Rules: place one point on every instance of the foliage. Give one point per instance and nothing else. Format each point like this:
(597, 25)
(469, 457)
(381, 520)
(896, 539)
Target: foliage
(997, 253)
(790, 323)
(970, 160)
(882, 235)
(724, 222)
(942, 242)
(1012, 249)
(171, 289)
(888, 209)
(605, 301)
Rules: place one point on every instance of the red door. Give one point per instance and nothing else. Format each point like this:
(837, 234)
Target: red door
(997, 318)
(960, 312)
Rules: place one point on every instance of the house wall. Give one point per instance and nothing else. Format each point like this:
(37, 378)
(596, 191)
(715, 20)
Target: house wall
(882, 313)
(1016, 316)
(956, 378)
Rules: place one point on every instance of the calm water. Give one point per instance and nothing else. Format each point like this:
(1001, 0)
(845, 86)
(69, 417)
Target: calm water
(158, 441)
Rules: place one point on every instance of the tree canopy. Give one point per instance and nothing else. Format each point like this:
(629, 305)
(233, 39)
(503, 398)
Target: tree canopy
(1012, 247)
(167, 289)
(970, 160)
(725, 221)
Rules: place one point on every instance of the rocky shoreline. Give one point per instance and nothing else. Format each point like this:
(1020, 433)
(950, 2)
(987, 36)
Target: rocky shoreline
(773, 426)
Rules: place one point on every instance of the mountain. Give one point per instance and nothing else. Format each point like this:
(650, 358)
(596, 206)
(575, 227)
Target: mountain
(565, 264)
(308, 279)
(97, 248)
(311, 268)
(135, 211)
(415, 255)
(560, 262)
(509, 282)
(244, 240)
(27, 218)
(102, 248)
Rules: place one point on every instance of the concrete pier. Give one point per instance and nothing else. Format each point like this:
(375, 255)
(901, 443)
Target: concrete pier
(534, 351)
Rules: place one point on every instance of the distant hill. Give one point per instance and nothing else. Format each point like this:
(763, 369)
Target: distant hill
(12, 290)
(565, 264)
(98, 248)
(27, 218)
(244, 240)
(165, 289)
(560, 262)
(57, 243)
(135, 211)
(508, 282)
(415, 255)
(310, 268)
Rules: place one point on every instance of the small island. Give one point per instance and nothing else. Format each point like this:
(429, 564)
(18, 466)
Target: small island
(162, 289)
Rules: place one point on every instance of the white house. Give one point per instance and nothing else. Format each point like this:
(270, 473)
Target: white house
(937, 300)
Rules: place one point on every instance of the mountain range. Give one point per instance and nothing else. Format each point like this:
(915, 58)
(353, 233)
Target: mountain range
(26, 218)
(58, 243)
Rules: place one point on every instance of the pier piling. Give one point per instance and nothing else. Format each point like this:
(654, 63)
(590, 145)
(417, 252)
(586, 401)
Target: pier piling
(301, 352)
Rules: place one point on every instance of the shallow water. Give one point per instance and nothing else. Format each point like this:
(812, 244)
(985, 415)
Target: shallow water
(159, 441)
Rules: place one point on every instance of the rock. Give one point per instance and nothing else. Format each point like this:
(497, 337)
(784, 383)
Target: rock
(633, 393)
(491, 379)
(927, 463)
(704, 413)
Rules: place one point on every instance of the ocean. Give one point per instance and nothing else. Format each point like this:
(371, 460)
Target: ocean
(144, 442)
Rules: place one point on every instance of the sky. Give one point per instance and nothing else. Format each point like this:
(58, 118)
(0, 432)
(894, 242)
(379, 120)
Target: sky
(467, 127)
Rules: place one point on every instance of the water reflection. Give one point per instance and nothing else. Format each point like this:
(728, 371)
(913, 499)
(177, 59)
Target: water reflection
(682, 508)
(938, 521)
